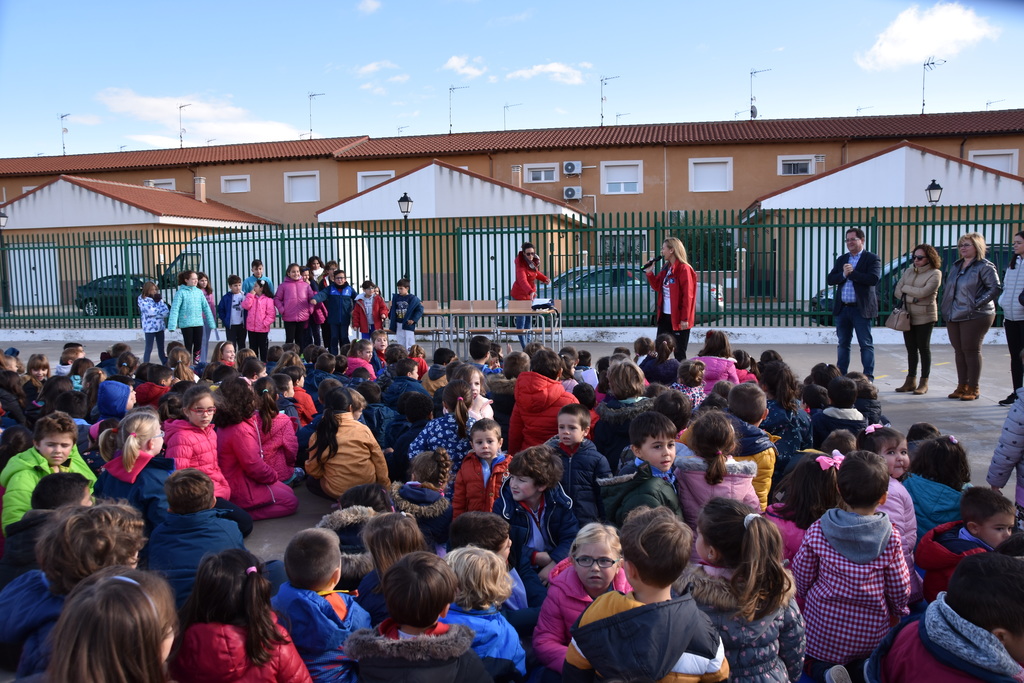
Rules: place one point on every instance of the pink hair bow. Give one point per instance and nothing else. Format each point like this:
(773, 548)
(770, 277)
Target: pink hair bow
(870, 429)
(835, 460)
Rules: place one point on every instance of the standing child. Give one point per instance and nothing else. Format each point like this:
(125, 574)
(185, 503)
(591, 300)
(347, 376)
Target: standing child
(484, 470)
(743, 587)
(292, 301)
(451, 430)
(648, 480)
(229, 630)
(191, 312)
(256, 268)
(260, 316)
(207, 289)
(229, 310)
(338, 297)
(806, 493)
(847, 553)
(369, 311)
(422, 497)
(938, 476)
(1008, 456)
(582, 465)
(406, 311)
(153, 312)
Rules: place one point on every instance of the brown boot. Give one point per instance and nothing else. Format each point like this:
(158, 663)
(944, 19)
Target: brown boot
(908, 385)
(970, 393)
(922, 387)
(959, 391)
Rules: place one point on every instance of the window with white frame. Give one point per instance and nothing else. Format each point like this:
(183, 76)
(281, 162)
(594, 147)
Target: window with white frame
(796, 164)
(301, 186)
(540, 173)
(622, 177)
(713, 174)
(230, 184)
(367, 179)
(163, 183)
(1004, 160)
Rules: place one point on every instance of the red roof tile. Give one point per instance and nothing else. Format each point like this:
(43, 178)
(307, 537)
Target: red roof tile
(157, 201)
(167, 158)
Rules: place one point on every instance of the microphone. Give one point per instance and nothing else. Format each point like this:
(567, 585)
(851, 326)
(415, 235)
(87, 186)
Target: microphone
(651, 262)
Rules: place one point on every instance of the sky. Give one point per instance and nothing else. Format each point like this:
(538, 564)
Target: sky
(121, 70)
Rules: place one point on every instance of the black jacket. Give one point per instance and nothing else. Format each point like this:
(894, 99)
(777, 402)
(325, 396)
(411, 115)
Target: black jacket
(427, 659)
(611, 433)
(864, 278)
(580, 473)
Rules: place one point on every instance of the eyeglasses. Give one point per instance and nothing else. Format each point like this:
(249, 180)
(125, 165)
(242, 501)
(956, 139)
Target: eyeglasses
(159, 435)
(919, 257)
(602, 562)
(529, 253)
(204, 411)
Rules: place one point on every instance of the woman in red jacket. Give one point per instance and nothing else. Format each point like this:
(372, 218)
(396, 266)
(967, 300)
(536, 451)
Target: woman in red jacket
(676, 285)
(525, 286)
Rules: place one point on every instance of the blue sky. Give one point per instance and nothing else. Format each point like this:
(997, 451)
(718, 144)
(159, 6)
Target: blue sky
(122, 69)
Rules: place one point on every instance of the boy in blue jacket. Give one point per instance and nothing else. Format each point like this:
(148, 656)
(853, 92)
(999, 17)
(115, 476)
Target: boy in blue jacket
(320, 619)
(406, 311)
(339, 298)
(229, 310)
(582, 463)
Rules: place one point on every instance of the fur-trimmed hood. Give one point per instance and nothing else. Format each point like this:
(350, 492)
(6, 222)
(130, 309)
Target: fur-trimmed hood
(347, 523)
(714, 591)
(499, 384)
(404, 494)
(695, 463)
(615, 412)
(368, 644)
(356, 515)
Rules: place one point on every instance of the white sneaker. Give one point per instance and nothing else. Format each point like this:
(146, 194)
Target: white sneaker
(838, 674)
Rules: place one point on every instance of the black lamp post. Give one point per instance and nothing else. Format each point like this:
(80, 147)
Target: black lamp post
(405, 206)
(933, 191)
(4, 292)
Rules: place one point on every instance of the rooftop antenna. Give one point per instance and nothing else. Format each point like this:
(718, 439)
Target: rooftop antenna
(451, 89)
(991, 102)
(121, 148)
(311, 95)
(400, 129)
(929, 65)
(753, 107)
(504, 118)
(736, 114)
(604, 79)
(860, 109)
(181, 131)
(619, 116)
(209, 140)
(64, 131)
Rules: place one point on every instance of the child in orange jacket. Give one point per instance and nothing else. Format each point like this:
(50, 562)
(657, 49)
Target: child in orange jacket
(483, 471)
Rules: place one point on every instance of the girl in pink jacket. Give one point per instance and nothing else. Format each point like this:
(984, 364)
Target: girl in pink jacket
(293, 303)
(277, 431)
(260, 316)
(593, 567)
(718, 361)
(808, 492)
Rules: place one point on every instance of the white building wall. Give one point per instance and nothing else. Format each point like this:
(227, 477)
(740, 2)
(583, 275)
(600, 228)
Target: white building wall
(64, 205)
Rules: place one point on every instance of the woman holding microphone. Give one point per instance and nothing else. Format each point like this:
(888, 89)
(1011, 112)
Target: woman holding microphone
(676, 285)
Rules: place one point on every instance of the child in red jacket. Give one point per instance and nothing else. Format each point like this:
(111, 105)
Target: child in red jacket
(483, 471)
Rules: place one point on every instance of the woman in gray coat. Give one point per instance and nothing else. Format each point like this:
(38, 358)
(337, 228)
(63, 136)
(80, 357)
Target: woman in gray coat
(968, 307)
(920, 285)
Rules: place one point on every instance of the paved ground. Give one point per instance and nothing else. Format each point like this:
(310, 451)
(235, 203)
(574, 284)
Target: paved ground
(976, 423)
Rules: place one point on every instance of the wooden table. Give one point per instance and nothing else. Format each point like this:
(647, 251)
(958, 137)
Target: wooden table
(456, 320)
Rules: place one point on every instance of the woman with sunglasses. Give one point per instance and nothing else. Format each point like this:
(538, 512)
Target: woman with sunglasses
(1013, 315)
(920, 284)
(525, 286)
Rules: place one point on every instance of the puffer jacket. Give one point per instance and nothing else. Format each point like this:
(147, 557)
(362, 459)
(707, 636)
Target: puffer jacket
(768, 649)
(22, 474)
(972, 293)
(30, 612)
(1009, 453)
(215, 653)
(443, 432)
(920, 286)
(753, 443)
(153, 313)
(494, 641)
(358, 460)
(190, 446)
(938, 554)
(638, 487)
(662, 373)
(567, 600)
(900, 508)
(431, 510)
(338, 302)
(580, 472)
(611, 433)
(535, 415)
(471, 494)
(503, 401)
(143, 487)
(934, 503)
(793, 427)
(262, 312)
(280, 446)
(695, 491)
(718, 369)
(348, 524)
(379, 314)
(190, 309)
(559, 523)
(1013, 287)
(240, 458)
(292, 300)
(792, 535)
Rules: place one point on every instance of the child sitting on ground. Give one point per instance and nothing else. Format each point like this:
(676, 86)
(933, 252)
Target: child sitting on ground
(648, 480)
(422, 498)
(483, 471)
(748, 407)
(387, 537)
(840, 414)
(851, 552)
(320, 619)
(690, 381)
(655, 550)
(938, 476)
(805, 494)
(582, 465)
(988, 520)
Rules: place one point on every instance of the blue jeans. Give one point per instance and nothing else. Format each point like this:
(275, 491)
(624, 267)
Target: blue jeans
(848, 321)
(158, 338)
(339, 335)
(524, 322)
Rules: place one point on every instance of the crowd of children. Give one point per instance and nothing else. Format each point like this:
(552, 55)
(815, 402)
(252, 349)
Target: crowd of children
(651, 519)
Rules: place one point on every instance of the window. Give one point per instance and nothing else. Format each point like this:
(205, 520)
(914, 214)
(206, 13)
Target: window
(540, 173)
(711, 175)
(230, 184)
(28, 188)
(796, 165)
(302, 186)
(367, 179)
(163, 183)
(622, 177)
(1004, 160)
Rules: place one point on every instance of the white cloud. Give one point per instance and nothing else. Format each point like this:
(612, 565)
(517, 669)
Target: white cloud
(559, 110)
(373, 88)
(461, 65)
(85, 119)
(374, 67)
(943, 30)
(203, 119)
(368, 6)
(586, 65)
(558, 72)
(400, 78)
(492, 79)
(779, 49)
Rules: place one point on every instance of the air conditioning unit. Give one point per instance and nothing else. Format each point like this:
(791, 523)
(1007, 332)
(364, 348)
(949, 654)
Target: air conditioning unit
(572, 167)
(572, 192)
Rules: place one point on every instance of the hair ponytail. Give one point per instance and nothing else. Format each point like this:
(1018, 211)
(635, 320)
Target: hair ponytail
(664, 346)
(456, 398)
(431, 468)
(134, 431)
(335, 403)
(266, 402)
(713, 440)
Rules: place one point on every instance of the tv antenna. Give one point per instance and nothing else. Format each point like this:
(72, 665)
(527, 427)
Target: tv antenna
(400, 129)
(929, 65)
(604, 79)
(209, 140)
(181, 131)
(311, 96)
(451, 89)
(736, 114)
(504, 118)
(619, 116)
(753, 107)
(860, 109)
(64, 131)
(991, 102)
(121, 148)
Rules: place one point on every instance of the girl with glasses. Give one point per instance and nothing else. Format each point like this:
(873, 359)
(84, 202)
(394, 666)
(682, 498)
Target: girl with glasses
(920, 284)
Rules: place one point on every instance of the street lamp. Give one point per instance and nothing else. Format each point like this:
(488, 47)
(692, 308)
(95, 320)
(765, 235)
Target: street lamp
(405, 206)
(4, 294)
(933, 191)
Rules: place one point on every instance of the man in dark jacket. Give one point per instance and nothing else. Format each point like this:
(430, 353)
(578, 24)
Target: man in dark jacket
(855, 275)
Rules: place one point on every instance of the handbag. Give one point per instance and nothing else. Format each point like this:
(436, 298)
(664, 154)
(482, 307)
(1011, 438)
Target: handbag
(899, 319)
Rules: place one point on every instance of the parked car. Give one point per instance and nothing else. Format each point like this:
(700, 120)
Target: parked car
(111, 295)
(617, 294)
(821, 303)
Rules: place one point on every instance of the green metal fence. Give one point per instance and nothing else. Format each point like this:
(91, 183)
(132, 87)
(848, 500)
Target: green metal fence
(754, 268)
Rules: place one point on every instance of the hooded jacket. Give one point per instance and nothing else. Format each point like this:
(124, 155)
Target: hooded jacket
(662, 373)
(470, 493)
(355, 362)
(580, 473)
(718, 369)
(359, 459)
(153, 314)
(793, 427)
(241, 459)
(558, 523)
(695, 491)
(970, 293)
(767, 649)
(20, 546)
(494, 641)
(23, 472)
(431, 510)
(626, 492)
(149, 394)
(215, 653)
(1009, 453)
(792, 535)
(261, 312)
(143, 487)
(934, 503)
(754, 444)
(112, 400)
(190, 446)
(356, 561)
(280, 446)
(408, 306)
(292, 300)
(527, 274)
(938, 554)
(30, 612)
(435, 378)
(611, 433)
(854, 582)
(380, 314)
(900, 508)
(11, 407)
(190, 309)
(567, 600)
(338, 302)
(503, 401)
(1013, 285)
(605, 641)
(830, 419)
(400, 386)
(535, 415)
(445, 653)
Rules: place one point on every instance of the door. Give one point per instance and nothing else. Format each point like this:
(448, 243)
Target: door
(33, 275)
(488, 268)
